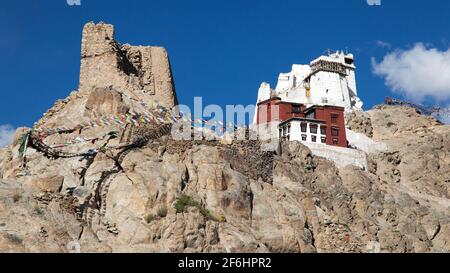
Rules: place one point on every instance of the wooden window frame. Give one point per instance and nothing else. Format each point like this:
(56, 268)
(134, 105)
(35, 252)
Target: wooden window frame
(305, 126)
(334, 129)
(315, 127)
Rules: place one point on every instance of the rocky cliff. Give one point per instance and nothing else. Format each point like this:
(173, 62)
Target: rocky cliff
(122, 188)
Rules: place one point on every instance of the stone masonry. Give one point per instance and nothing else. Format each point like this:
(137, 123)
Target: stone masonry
(140, 72)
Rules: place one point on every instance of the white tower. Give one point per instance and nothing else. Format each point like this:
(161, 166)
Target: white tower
(327, 80)
(264, 93)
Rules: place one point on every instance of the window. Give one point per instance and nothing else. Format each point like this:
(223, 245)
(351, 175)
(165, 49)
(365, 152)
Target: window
(303, 137)
(311, 115)
(296, 109)
(334, 118)
(313, 138)
(323, 130)
(335, 131)
(335, 141)
(313, 128)
(285, 132)
(323, 139)
(303, 127)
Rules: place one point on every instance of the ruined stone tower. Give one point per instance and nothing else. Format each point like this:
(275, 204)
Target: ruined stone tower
(139, 72)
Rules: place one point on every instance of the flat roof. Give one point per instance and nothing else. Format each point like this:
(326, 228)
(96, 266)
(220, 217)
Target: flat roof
(340, 108)
(272, 98)
(303, 119)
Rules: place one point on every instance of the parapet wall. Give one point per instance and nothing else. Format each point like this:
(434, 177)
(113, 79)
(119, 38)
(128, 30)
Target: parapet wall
(340, 156)
(364, 143)
(142, 72)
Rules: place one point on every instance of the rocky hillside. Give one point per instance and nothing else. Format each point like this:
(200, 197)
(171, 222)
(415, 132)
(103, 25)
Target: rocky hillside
(85, 187)
(202, 196)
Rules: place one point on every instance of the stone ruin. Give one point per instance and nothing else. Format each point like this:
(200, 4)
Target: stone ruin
(141, 72)
(114, 80)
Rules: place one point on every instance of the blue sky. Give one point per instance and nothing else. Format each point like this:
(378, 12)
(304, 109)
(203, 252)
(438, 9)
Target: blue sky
(220, 50)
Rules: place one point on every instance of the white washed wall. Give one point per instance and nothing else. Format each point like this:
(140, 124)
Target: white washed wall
(340, 156)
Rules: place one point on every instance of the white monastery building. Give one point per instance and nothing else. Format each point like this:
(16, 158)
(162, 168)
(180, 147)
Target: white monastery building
(309, 105)
(327, 80)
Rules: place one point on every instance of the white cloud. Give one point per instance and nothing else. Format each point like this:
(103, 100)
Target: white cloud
(383, 44)
(6, 135)
(417, 73)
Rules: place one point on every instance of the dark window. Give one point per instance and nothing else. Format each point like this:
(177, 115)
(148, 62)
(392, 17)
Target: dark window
(335, 141)
(303, 127)
(334, 118)
(323, 140)
(289, 129)
(314, 138)
(296, 109)
(323, 130)
(281, 133)
(311, 115)
(334, 131)
(303, 137)
(313, 128)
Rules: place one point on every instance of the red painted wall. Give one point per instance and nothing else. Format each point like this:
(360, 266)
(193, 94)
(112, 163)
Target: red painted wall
(285, 110)
(323, 113)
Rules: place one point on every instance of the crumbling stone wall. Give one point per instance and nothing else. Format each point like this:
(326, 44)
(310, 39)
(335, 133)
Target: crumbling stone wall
(104, 102)
(246, 156)
(141, 72)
